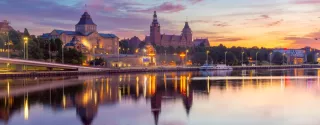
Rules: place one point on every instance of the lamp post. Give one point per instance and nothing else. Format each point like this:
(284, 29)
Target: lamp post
(242, 58)
(283, 58)
(186, 56)
(270, 54)
(62, 53)
(257, 58)
(49, 42)
(94, 57)
(25, 47)
(165, 56)
(207, 56)
(225, 57)
(8, 43)
(317, 57)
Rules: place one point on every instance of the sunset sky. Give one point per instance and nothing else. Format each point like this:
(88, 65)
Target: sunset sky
(262, 23)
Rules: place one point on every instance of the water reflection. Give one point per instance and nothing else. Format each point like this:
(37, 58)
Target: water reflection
(91, 93)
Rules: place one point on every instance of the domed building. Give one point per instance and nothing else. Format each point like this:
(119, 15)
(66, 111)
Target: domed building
(86, 33)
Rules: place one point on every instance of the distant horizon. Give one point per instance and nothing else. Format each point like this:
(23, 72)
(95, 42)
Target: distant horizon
(244, 23)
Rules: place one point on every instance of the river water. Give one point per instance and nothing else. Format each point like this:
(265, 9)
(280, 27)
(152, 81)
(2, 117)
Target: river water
(248, 97)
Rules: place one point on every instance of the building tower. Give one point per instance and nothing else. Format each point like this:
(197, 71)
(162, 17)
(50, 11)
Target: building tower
(187, 33)
(86, 25)
(155, 35)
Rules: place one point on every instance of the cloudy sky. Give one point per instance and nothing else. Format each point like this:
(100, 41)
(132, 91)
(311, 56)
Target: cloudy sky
(263, 23)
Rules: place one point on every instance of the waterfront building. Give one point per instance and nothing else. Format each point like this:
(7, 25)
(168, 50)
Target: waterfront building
(183, 40)
(293, 56)
(86, 32)
(201, 42)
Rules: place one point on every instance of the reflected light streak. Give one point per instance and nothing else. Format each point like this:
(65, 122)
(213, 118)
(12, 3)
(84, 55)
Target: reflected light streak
(119, 93)
(8, 88)
(64, 101)
(208, 84)
(26, 109)
(145, 86)
(95, 98)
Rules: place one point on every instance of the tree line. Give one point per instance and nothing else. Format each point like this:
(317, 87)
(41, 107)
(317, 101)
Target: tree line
(38, 48)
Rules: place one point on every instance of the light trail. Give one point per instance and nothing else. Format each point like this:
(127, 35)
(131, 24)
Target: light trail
(44, 64)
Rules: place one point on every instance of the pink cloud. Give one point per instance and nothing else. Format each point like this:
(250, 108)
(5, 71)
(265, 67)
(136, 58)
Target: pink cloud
(195, 1)
(220, 24)
(311, 39)
(275, 23)
(307, 1)
(166, 7)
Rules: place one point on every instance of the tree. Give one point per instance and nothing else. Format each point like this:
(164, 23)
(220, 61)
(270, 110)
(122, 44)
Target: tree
(26, 33)
(34, 50)
(278, 58)
(310, 58)
(71, 56)
(199, 58)
(58, 44)
(124, 46)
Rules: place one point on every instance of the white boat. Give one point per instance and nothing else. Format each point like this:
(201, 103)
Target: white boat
(206, 66)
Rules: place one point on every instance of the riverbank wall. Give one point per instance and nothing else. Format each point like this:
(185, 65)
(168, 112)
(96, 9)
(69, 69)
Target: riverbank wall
(139, 70)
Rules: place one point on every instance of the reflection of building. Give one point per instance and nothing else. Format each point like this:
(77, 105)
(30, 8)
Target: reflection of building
(294, 56)
(86, 33)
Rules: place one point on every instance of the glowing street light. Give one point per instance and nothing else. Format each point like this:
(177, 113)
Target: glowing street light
(283, 58)
(270, 54)
(225, 57)
(187, 55)
(242, 58)
(25, 47)
(207, 55)
(257, 58)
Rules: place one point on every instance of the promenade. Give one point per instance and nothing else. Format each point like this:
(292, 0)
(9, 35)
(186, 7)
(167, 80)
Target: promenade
(140, 70)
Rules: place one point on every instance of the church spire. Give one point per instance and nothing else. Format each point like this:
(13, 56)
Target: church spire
(155, 19)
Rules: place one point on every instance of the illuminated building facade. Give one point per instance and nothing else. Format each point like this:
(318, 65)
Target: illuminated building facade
(294, 56)
(86, 33)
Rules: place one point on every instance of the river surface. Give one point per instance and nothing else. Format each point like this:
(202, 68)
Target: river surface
(248, 97)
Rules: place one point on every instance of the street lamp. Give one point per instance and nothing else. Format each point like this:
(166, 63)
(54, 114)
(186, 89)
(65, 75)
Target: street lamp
(317, 57)
(270, 54)
(165, 56)
(242, 58)
(62, 53)
(207, 56)
(257, 58)
(94, 57)
(187, 55)
(25, 47)
(283, 58)
(9, 43)
(225, 57)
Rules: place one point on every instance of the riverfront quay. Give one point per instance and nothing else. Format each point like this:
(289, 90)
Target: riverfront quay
(141, 70)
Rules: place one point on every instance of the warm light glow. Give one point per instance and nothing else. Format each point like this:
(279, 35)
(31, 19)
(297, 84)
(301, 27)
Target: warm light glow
(182, 55)
(26, 109)
(8, 88)
(86, 43)
(64, 101)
